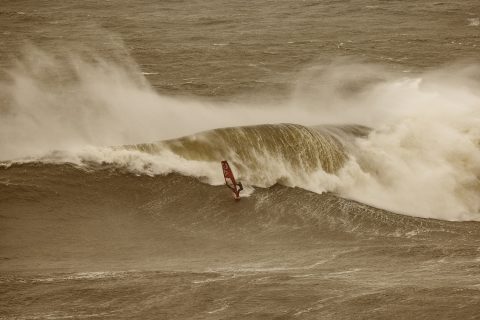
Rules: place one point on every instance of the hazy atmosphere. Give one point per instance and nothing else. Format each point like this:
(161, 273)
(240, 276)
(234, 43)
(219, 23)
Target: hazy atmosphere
(353, 127)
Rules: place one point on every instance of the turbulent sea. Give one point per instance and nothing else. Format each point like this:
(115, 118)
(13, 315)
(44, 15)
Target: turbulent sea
(354, 127)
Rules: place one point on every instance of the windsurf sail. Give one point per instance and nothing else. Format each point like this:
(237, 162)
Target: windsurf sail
(230, 180)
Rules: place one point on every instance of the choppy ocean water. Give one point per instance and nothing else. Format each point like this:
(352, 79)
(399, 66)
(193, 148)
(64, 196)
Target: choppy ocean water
(353, 126)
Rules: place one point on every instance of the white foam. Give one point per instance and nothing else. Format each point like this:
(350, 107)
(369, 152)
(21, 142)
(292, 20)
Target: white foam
(103, 104)
(84, 276)
(474, 22)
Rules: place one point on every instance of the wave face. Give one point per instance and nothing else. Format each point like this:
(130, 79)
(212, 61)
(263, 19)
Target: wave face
(262, 155)
(348, 160)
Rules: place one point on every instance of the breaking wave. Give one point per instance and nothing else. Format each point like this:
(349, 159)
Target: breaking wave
(413, 147)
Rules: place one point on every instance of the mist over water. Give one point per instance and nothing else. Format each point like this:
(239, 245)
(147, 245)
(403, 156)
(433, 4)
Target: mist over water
(420, 158)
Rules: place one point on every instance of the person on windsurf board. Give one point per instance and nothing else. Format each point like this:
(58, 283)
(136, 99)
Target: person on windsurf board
(236, 187)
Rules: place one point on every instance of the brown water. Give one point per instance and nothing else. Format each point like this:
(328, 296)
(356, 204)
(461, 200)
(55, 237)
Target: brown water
(146, 230)
(223, 48)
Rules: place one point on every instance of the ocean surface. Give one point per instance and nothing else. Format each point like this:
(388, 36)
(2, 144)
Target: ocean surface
(354, 127)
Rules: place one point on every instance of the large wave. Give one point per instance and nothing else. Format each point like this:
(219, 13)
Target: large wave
(419, 157)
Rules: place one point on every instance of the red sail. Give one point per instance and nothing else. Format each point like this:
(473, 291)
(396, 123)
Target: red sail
(230, 179)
